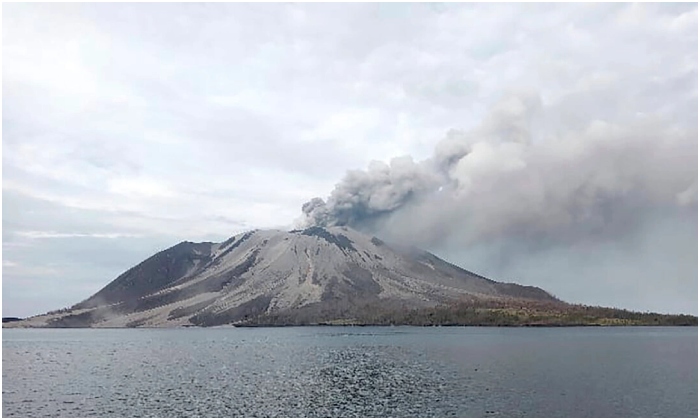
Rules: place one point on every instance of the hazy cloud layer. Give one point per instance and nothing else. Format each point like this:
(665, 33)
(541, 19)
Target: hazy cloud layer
(553, 145)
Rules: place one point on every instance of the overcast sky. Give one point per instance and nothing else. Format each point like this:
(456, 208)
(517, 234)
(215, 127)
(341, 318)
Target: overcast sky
(128, 128)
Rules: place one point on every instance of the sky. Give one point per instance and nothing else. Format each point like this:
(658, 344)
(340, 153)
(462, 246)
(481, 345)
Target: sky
(550, 145)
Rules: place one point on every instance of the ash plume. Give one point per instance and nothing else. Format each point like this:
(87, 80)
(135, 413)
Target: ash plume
(364, 197)
(524, 181)
(510, 176)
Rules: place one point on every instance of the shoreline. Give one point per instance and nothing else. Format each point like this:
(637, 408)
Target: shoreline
(182, 327)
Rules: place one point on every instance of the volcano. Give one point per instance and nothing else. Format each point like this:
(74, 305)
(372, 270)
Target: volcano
(312, 276)
(319, 276)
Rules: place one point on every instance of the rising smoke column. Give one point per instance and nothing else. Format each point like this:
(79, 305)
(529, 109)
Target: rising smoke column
(527, 195)
(364, 197)
(509, 176)
(368, 197)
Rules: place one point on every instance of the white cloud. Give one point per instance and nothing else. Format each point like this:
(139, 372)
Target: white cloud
(56, 235)
(146, 187)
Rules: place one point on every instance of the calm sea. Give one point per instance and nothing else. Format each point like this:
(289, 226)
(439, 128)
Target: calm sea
(350, 372)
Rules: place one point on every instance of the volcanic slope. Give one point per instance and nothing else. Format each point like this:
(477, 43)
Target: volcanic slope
(311, 276)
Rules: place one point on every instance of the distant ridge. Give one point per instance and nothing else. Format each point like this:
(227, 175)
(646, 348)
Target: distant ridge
(10, 319)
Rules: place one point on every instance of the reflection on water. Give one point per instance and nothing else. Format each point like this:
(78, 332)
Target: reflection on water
(351, 372)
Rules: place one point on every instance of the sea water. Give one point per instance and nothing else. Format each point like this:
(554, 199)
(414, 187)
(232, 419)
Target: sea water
(351, 372)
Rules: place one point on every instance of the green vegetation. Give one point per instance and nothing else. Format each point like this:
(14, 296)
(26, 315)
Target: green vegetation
(489, 313)
(519, 316)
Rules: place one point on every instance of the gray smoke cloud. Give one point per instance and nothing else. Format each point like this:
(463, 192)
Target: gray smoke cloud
(509, 176)
(365, 197)
(526, 182)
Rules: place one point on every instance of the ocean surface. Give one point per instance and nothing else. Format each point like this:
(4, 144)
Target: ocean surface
(350, 372)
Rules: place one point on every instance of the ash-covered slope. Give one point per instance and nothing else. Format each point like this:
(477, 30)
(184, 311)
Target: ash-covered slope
(315, 275)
